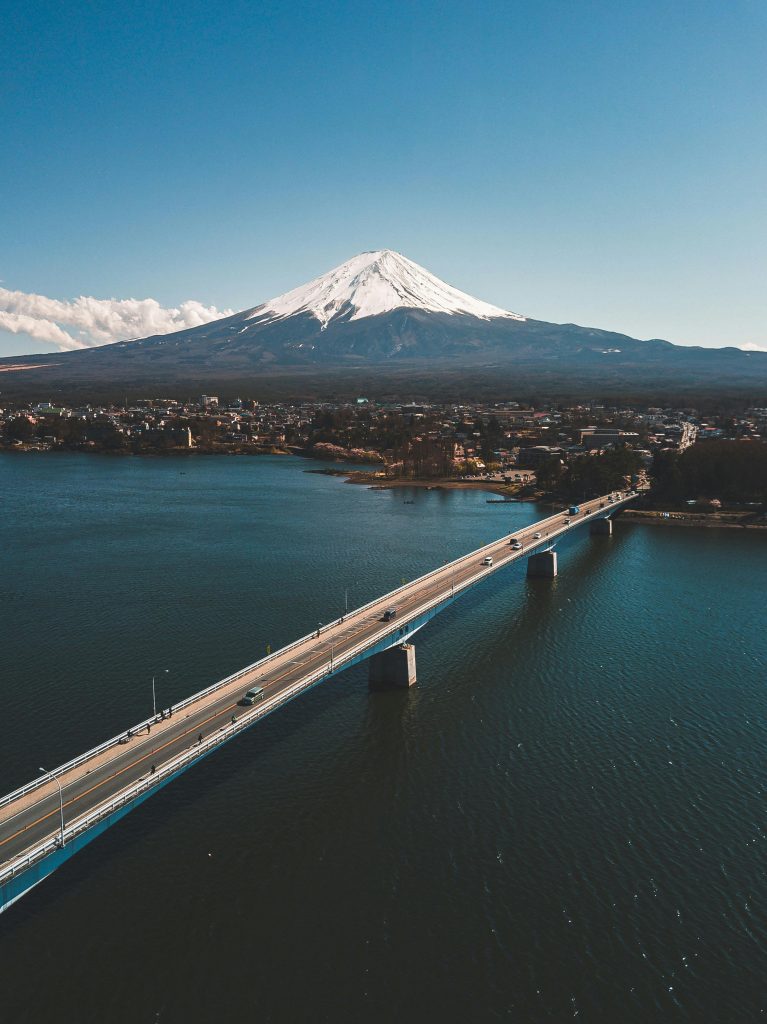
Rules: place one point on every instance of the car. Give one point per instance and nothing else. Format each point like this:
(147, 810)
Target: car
(389, 614)
(611, 499)
(253, 696)
(487, 560)
(567, 522)
(536, 536)
(516, 545)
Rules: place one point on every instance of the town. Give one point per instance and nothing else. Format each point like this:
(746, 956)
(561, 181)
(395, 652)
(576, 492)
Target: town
(714, 462)
(412, 439)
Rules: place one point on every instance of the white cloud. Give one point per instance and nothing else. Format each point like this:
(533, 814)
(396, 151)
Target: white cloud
(43, 330)
(97, 321)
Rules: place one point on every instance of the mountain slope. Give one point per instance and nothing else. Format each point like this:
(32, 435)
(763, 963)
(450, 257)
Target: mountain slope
(381, 312)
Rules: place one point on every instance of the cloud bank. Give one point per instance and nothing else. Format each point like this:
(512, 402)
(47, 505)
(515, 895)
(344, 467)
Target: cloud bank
(97, 321)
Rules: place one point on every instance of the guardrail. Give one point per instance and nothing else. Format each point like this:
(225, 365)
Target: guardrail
(219, 684)
(188, 757)
(331, 667)
(195, 752)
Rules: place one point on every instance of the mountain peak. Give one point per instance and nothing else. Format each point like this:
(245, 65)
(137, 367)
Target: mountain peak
(373, 283)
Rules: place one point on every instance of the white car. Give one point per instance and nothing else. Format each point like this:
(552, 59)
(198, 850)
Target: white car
(487, 560)
(536, 536)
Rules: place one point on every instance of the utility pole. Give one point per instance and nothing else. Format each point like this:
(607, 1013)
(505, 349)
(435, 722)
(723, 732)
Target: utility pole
(154, 696)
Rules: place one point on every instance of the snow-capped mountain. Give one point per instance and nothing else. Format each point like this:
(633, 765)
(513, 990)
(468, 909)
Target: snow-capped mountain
(374, 283)
(383, 314)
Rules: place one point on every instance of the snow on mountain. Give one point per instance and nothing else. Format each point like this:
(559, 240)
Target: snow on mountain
(374, 283)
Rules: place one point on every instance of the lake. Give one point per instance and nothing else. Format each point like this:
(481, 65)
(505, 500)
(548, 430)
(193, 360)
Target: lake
(564, 819)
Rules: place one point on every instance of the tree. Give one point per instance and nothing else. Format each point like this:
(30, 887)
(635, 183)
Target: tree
(19, 429)
(733, 471)
(592, 475)
(549, 474)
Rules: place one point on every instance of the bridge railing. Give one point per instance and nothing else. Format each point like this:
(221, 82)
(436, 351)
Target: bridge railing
(219, 684)
(188, 757)
(41, 780)
(197, 751)
(116, 740)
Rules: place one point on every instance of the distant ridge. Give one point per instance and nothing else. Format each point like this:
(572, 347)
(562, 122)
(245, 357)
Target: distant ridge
(381, 313)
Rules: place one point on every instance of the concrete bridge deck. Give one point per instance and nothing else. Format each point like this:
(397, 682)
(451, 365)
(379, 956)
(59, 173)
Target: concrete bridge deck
(99, 787)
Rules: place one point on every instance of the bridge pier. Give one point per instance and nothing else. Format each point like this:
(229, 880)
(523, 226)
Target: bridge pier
(601, 528)
(542, 566)
(392, 669)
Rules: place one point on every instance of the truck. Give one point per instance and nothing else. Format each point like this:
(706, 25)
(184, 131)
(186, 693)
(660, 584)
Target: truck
(574, 510)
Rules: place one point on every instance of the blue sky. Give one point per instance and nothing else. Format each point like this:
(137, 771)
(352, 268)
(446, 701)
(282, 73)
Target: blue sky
(596, 162)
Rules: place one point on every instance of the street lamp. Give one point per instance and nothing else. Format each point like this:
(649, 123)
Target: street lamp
(154, 697)
(61, 800)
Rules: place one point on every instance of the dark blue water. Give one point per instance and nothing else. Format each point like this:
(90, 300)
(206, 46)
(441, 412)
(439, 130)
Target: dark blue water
(564, 819)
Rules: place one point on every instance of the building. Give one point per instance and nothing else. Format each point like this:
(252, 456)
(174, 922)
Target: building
(531, 458)
(607, 437)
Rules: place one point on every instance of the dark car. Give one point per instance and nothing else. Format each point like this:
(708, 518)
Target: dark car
(389, 614)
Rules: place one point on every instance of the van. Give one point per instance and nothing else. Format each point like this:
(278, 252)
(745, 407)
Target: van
(487, 560)
(253, 696)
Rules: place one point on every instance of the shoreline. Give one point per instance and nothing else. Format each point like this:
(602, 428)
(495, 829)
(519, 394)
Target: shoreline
(642, 517)
(147, 453)
(382, 484)
(714, 520)
(707, 522)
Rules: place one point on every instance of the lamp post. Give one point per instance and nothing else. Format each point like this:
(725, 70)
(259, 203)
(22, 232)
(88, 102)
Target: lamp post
(61, 800)
(154, 697)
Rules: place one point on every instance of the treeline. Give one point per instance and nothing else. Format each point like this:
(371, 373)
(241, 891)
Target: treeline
(732, 471)
(589, 476)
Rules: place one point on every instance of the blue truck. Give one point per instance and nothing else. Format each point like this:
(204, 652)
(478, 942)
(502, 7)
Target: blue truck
(574, 510)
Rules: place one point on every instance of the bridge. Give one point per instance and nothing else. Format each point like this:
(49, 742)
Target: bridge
(45, 822)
